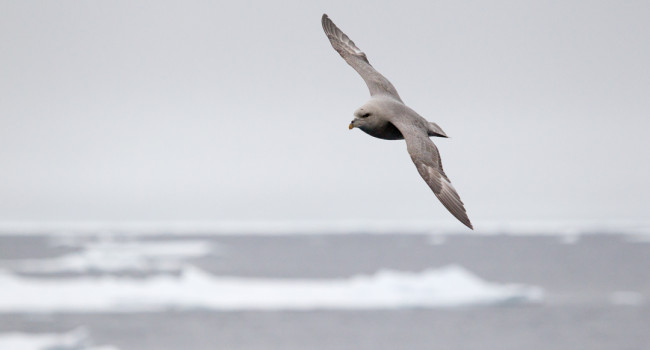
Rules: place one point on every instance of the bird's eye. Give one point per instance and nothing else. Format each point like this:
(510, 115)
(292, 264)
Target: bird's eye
(365, 115)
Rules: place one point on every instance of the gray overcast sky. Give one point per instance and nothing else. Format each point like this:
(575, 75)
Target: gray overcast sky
(202, 110)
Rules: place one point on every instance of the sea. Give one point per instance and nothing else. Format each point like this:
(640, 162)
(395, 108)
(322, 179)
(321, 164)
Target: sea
(324, 286)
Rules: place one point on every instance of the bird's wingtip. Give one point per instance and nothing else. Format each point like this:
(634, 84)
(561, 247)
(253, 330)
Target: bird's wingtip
(468, 223)
(326, 22)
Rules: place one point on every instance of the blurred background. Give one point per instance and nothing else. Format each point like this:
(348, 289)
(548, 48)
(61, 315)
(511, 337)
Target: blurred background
(181, 174)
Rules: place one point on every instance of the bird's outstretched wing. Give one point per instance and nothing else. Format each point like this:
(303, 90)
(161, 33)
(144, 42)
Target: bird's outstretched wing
(377, 83)
(426, 157)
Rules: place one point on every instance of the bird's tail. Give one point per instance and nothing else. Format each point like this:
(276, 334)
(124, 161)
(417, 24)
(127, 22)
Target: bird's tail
(435, 130)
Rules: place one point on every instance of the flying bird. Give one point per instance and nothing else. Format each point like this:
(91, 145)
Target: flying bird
(385, 116)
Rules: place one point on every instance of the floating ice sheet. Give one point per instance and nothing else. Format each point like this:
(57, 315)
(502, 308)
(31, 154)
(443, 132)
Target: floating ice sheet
(117, 256)
(74, 340)
(450, 286)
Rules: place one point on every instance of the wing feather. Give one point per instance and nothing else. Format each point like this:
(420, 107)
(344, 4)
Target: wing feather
(426, 157)
(377, 83)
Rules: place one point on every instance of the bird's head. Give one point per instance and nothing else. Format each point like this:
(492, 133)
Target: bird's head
(366, 117)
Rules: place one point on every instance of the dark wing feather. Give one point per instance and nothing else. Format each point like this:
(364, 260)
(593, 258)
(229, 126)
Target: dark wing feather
(426, 158)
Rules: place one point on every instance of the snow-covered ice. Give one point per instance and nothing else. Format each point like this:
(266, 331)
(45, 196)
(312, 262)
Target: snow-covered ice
(74, 340)
(117, 256)
(444, 287)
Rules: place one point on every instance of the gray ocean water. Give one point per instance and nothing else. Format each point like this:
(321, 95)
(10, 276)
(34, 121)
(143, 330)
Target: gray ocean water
(596, 294)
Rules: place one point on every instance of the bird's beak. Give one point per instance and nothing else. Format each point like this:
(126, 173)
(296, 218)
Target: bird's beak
(351, 126)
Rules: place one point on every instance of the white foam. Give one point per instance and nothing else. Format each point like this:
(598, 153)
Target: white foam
(75, 340)
(446, 287)
(113, 256)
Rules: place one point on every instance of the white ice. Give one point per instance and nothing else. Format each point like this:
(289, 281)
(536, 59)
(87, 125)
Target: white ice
(445, 287)
(75, 340)
(115, 256)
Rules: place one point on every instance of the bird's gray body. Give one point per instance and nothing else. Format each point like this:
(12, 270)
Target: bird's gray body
(385, 116)
(381, 127)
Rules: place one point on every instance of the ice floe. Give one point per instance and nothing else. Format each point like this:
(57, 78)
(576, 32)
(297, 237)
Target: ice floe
(119, 256)
(450, 286)
(75, 340)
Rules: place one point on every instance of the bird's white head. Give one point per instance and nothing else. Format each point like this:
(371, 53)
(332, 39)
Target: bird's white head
(367, 116)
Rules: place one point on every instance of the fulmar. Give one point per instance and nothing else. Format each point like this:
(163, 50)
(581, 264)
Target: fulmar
(385, 116)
